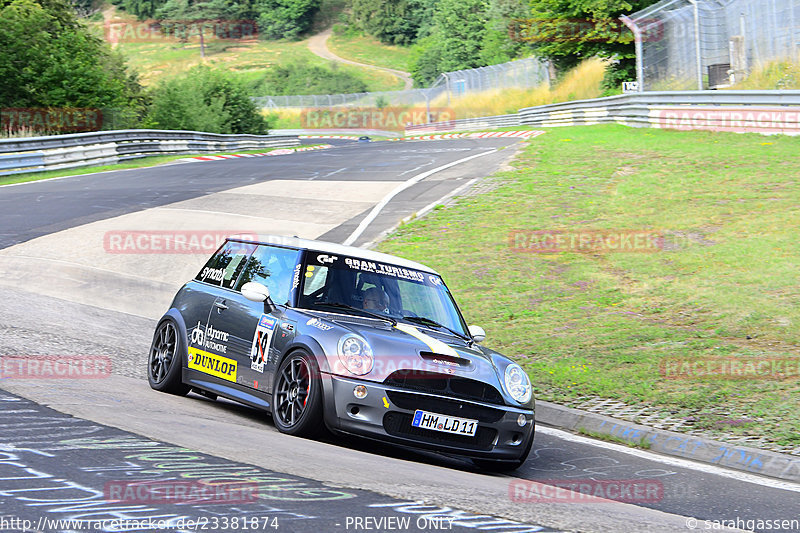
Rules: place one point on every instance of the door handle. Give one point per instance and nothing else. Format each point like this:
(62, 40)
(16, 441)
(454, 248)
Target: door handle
(220, 305)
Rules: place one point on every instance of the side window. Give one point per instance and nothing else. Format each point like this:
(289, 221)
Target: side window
(315, 279)
(225, 266)
(274, 268)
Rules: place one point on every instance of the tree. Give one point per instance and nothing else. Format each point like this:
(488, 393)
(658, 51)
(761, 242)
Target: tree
(50, 60)
(205, 100)
(497, 45)
(143, 9)
(285, 19)
(461, 26)
(192, 15)
(568, 31)
(391, 21)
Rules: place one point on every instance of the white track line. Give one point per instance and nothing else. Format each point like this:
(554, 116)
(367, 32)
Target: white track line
(674, 461)
(400, 188)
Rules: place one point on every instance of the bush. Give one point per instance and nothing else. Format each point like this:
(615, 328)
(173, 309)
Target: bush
(205, 100)
(301, 78)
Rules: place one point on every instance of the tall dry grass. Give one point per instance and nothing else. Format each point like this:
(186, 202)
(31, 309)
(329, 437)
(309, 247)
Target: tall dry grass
(582, 82)
(579, 83)
(773, 75)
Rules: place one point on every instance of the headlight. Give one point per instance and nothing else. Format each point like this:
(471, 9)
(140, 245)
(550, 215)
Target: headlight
(517, 383)
(355, 354)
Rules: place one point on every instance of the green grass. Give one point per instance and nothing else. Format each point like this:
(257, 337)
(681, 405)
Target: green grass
(160, 59)
(250, 59)
(588, 325)
(136, 163)
(369, 50)
(641, 443)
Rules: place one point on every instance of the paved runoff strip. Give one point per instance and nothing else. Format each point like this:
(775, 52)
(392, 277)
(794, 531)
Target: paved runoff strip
(400, 188)
(134, 253)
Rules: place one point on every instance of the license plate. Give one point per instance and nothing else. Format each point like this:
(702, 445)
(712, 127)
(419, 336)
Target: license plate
(444, 423)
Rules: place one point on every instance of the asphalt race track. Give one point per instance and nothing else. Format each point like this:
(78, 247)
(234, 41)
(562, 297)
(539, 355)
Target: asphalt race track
(67, 290)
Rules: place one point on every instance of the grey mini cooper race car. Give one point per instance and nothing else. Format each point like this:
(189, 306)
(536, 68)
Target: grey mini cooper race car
(355, 341)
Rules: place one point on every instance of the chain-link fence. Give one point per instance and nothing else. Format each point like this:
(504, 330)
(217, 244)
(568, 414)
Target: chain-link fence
(697, 44)
(522, 73)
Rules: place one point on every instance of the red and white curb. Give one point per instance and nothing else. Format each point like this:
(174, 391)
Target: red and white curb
(280, 151)
(523, 134)
(350, 137)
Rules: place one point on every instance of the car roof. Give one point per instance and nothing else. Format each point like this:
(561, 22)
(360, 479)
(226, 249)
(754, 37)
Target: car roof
(333, 248)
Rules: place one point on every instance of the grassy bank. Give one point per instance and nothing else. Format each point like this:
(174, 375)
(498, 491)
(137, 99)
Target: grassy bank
(603, 324)
(369, 50)
(580, 83)
(158, 59)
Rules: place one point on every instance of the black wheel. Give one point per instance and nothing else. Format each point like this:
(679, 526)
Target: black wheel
(297, 396)
(164, 362)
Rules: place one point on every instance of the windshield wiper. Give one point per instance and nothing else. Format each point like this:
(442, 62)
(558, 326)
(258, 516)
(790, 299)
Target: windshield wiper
(428, 322)
(337, 305)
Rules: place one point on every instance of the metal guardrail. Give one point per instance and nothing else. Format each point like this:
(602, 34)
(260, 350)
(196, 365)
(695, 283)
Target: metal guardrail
(767, 112)
(34, 154)
(736, 111)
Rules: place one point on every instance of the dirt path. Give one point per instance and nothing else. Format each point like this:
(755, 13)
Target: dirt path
(318, 44)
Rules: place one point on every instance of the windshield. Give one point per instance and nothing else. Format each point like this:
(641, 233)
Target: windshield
(356, 286)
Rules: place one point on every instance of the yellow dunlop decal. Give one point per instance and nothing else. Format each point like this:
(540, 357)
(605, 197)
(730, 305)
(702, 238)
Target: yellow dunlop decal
(212, 364)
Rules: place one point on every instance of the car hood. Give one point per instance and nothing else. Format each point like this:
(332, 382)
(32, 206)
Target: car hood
(408, 346)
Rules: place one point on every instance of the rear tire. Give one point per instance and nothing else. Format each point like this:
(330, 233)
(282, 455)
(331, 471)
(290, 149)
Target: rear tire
(297, 396)
(165, 359)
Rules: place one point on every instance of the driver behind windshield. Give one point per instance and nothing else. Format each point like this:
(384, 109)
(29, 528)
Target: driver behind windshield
(376, 300)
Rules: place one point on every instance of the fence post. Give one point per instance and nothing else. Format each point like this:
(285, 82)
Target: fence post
(637, 37)
(698, 52)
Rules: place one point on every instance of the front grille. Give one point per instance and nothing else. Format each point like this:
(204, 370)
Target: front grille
(445, 385)
(399, 425)
(412, 402)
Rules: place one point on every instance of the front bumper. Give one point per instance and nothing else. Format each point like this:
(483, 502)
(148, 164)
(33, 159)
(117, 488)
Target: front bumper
(386, 414)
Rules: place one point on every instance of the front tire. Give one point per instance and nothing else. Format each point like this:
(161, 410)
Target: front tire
(164, 361)
(297, 396)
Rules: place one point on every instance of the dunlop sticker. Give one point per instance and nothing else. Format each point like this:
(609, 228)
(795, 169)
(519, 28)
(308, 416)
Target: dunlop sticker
(212, 364)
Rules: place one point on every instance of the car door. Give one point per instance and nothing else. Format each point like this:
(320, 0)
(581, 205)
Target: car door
(213, 339)
(250, 326)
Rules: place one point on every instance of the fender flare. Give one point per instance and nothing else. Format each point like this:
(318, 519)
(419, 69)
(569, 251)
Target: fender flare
(176, 317)
(313, 347)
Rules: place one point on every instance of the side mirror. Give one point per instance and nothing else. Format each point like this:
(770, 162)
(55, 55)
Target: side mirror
(255, 292)
(477, 332)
